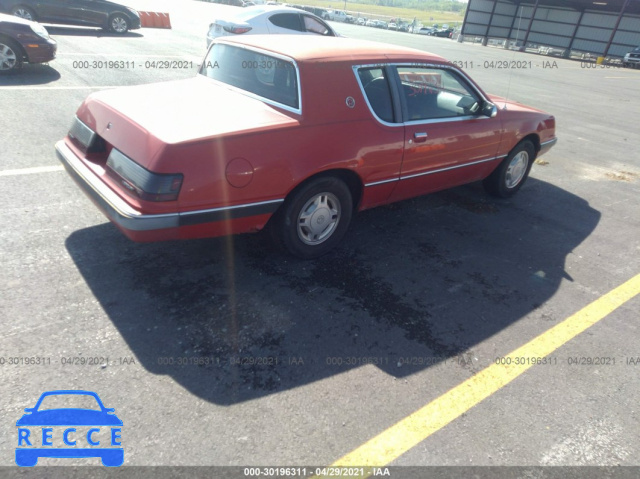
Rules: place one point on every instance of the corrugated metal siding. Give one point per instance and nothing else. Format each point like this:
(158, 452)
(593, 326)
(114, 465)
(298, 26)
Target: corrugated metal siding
(498, 32)
(627, 38)
(599, 20)
(589, 46)
(597, 34)
(619, 50)
(629, 22)
(482, 5)
(550, 40)
(470, 29)
(506, 8)
(478, 17)
(551, 28)
(502, 21)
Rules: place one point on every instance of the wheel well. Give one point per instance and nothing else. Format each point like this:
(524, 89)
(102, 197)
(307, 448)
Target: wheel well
(351, 179)
(535, 139)
(15, 45)
(122, 14)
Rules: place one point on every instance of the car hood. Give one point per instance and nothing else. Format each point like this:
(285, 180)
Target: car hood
(185, 110)
(505, 104)
(13, 19)
(69, 417)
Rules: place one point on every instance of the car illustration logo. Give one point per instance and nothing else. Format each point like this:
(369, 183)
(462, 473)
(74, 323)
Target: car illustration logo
(53, 429)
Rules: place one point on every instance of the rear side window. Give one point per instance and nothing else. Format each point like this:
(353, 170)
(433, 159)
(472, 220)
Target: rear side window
(376, 88)
(269, 77)
(290, 21)
(314, 26)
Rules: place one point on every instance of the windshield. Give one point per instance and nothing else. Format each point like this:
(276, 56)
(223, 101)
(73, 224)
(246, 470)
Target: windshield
(69, 401)
(254, 72)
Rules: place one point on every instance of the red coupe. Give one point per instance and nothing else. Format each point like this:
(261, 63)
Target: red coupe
(295, 136)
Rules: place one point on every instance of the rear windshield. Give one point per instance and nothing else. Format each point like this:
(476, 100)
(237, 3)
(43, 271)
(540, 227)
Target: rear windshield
(262, 75)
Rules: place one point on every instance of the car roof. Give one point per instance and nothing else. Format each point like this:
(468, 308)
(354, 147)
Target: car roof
(312, 48)
(257, 10)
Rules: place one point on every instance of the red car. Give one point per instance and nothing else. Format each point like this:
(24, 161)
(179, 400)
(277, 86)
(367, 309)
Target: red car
(296, 136)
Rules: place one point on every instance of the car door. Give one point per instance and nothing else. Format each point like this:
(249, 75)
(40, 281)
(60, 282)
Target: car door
(450, 135)
(54, 11)
(87, 12)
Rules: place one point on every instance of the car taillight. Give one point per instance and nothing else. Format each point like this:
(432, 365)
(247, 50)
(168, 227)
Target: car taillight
(140, 182)
(236, 29)
(85, 138)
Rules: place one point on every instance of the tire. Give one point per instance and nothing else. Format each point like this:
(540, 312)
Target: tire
(10, 56)
(118, 23)
(314, 218)
(511, 174)
(23, 12)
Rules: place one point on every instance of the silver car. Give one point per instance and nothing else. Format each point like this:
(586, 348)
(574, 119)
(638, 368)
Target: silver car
(263, 19)
(632, 59)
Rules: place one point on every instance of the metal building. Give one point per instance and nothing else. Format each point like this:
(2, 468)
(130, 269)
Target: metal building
(603, 28)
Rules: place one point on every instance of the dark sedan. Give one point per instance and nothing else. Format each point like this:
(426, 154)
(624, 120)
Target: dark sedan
(86, 13)
(23, 41)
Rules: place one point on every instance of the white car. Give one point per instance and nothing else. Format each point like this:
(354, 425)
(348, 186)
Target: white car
(632, 59)
(335, 15)
(263, 19)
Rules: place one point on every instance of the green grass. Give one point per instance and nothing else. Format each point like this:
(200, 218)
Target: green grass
(407, 14)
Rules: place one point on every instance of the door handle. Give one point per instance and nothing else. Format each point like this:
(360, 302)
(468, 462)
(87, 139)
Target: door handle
(420, 137)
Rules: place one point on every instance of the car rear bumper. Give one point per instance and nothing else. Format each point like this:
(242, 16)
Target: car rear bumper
(161, 227)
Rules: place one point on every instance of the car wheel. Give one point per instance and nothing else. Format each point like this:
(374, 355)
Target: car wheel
(315, 218)
(119, 23)
(23, 12)
(10, 56)
(511, 174)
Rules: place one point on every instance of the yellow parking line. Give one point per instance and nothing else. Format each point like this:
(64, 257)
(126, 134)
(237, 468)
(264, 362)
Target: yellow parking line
(410, 431)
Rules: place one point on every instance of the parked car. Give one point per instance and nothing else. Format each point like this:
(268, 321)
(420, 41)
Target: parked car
(335, 15)
(88, 13)
(544, 50)
(243, 145)
(361, 21)
(443, 32)
(232, 3)
(632, 59)
(392, 26)
(425, 31)
(23, 41)
(263, 19)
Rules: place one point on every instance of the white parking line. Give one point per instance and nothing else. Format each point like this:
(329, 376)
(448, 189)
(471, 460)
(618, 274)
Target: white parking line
(31, 171)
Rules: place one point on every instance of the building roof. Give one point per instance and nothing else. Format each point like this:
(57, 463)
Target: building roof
(605, 6)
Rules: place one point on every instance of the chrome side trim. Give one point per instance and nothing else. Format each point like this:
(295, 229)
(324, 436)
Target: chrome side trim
(375, 183)
(440, 170)
(551, 142)
(121, 213)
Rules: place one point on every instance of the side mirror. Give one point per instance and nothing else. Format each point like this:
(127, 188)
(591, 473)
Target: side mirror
(489, 109)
